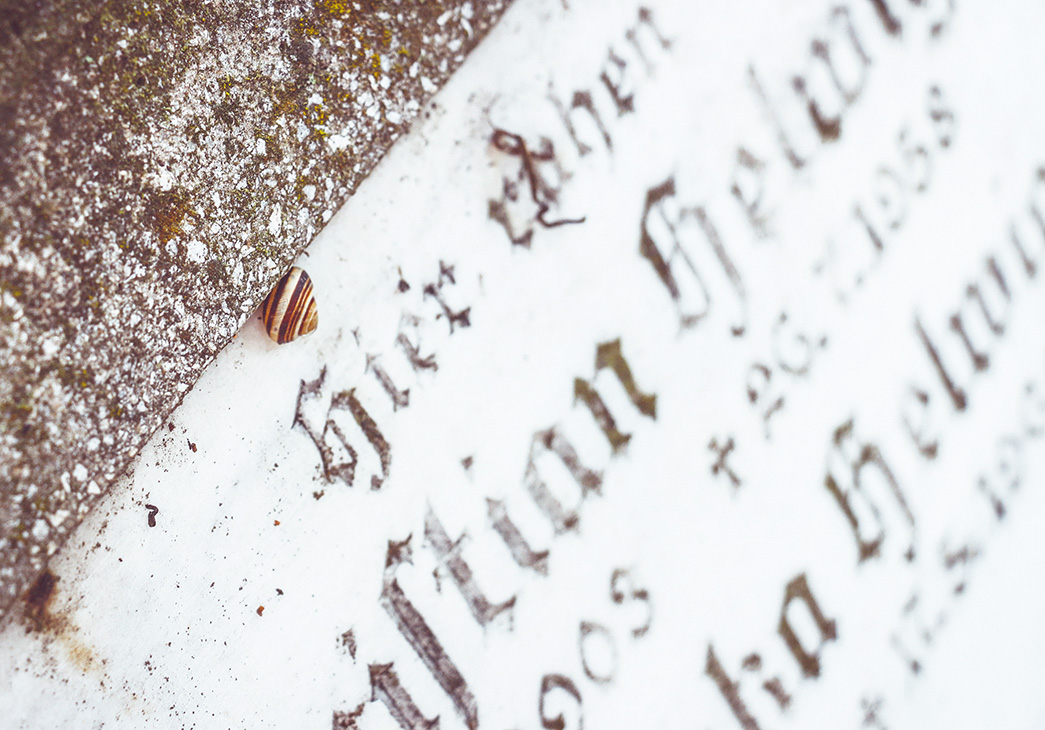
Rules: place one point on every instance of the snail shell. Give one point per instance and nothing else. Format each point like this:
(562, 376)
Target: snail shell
(290, 310)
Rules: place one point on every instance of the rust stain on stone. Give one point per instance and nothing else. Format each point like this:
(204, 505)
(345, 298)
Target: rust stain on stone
(55, 628)
(38, 597)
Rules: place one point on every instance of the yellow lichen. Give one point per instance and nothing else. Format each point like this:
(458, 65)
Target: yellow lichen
(334, 7)
(167, 209)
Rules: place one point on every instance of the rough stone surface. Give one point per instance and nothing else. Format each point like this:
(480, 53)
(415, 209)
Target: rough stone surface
(161, 164)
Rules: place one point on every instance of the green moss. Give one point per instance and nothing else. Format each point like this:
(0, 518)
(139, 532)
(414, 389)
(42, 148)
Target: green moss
(287, 99)
(138, 69)
(216, 272)
(13, 289)
(246, 202)
(228, 111)
(15, 418)
(343, 163)
(299, 190)
(266, 244)
(20, 532)
(166, 210)
(66, 376)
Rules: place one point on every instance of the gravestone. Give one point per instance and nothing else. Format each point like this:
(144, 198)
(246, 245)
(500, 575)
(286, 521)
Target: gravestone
(682, 366)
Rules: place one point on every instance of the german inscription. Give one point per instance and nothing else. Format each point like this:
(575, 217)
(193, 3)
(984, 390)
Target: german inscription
(684, 369)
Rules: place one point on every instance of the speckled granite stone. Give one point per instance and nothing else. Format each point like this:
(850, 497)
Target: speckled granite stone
(161, 164)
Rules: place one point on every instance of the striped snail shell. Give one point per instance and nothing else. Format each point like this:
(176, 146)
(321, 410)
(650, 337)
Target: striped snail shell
(290, 310)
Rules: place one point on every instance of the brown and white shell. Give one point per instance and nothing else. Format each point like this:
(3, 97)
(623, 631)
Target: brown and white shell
(290, 310)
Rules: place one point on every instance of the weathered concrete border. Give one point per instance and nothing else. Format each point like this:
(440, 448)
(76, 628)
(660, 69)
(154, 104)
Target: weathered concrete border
(161, 164)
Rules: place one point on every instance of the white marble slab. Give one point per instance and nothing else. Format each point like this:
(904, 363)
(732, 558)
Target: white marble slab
(673, 594)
